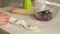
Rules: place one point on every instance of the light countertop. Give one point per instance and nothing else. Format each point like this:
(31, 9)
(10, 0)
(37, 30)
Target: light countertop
(51, 27)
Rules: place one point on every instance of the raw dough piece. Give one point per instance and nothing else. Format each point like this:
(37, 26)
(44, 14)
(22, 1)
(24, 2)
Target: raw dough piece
(12, 20)
(24, 24)
(27, 26)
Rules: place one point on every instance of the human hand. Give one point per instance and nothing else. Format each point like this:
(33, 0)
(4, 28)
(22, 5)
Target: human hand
(4, 18)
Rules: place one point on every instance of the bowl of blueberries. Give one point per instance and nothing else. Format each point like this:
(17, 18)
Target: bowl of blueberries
(46, 15)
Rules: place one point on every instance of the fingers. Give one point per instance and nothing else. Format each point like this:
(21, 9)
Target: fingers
(3, 23)
(4, 19)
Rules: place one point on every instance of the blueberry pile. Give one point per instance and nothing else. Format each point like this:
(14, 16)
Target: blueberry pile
(45, 15)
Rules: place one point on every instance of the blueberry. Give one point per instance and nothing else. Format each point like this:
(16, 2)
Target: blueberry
(43, 12)
(49, 13)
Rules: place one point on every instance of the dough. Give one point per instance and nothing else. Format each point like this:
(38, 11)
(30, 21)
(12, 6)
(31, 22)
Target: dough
(34, 28)
(24, 24)
(21, 23)
(22, 11)
(12, 20)
(27, 26)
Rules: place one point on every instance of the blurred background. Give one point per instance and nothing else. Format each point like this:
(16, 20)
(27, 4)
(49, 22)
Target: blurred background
(18, 3)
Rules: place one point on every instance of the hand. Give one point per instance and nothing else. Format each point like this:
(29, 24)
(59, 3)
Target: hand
(4, 18)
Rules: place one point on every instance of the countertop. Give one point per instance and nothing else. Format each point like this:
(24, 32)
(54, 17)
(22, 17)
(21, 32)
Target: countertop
(50, 27)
